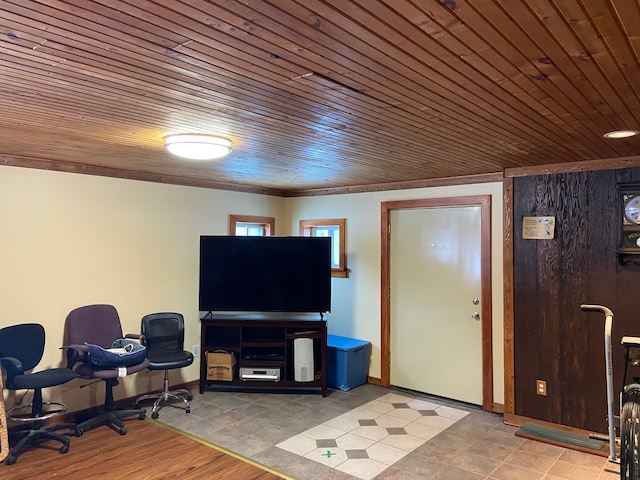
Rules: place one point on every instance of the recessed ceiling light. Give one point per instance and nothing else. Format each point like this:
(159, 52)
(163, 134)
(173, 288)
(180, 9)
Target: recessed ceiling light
(621, 134)
(197, 146)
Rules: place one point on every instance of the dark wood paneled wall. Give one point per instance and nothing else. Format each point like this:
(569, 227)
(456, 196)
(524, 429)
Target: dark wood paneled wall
(553, 339)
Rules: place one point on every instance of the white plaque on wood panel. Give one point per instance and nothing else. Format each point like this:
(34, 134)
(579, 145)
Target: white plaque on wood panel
(538, 228)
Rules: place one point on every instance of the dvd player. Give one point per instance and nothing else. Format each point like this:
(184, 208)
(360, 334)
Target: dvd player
(257, 373)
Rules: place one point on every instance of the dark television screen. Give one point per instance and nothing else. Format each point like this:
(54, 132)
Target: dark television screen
(265, 274)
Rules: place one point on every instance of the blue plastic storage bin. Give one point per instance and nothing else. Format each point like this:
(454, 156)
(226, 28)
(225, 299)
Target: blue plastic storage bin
(347, 362)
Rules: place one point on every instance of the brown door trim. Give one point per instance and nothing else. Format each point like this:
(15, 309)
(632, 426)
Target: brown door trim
(484, 202)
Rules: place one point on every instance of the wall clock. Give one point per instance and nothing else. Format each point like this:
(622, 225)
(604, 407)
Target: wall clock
(629, 222)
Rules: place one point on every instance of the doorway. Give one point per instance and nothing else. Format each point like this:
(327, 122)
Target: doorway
(435, 339)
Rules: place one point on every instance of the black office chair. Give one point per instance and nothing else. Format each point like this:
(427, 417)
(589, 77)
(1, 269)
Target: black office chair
(21, 349)
(163, 335)
(99, 325)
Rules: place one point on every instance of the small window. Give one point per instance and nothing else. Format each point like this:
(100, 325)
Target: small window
(251, 226)
(336, 229)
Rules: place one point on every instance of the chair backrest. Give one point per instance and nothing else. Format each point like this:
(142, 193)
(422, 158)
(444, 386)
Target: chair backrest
(163, 333)
(24, 342)
(95, 324)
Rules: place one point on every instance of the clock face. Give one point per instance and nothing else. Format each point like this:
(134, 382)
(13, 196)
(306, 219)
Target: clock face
(632, 209)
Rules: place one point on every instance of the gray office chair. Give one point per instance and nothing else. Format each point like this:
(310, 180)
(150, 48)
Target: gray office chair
(163, 335)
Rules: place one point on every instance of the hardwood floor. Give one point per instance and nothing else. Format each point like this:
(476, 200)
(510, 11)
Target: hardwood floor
(148, 451)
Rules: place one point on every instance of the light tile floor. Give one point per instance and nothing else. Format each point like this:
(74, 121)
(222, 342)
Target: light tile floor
(476, 446)
(368, 439)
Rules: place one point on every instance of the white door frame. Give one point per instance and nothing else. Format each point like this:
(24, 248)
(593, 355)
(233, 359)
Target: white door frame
(484, 202)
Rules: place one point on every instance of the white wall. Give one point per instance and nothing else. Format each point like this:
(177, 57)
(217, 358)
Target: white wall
(355, 310)
(70, 240)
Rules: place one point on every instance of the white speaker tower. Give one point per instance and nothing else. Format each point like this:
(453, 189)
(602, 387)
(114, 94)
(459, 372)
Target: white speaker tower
(303, 360)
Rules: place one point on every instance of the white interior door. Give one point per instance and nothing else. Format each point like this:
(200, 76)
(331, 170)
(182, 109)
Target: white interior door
(435, 285)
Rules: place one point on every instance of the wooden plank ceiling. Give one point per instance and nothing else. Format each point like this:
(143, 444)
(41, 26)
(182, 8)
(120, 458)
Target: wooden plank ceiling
(317, 94)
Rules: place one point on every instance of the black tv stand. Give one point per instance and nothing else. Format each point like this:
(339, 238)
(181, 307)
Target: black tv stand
(264, 341)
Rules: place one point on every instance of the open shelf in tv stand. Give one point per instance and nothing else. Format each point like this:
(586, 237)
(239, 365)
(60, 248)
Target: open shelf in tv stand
(263, 342)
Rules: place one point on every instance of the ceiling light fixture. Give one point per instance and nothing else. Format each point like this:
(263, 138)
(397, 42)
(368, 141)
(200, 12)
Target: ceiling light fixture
(621, 134)
(196, 146)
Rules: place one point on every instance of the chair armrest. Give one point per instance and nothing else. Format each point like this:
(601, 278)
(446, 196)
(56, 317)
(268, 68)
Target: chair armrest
(136, 336)
(76, 354)
(12, 365)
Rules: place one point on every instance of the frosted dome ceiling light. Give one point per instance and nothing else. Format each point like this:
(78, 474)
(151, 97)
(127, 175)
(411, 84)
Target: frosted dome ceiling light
(620, 134)
(197, 146)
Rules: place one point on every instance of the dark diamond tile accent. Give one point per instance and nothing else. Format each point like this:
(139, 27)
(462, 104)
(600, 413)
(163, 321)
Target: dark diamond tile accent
(367, 422)
(326, 443)
(396, 431)
(428, 413)
(400, 405)
(351, 454)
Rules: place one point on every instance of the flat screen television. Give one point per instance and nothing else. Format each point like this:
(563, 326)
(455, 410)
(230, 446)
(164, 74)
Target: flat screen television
(265, 274)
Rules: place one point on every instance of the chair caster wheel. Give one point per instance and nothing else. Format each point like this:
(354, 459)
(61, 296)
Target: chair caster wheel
(142, 416)
(11, 460)
(187, 410)
(190, 397)
(64, 449)
(122, 431)
(155, 415)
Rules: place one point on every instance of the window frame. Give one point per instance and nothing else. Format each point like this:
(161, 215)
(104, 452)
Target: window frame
(269, 223)
(306, 229)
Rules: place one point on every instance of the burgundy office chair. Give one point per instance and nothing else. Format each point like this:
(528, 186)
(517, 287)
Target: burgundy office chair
(99, 325)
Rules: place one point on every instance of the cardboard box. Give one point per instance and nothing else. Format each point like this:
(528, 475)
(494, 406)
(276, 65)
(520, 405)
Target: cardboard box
(221, 366)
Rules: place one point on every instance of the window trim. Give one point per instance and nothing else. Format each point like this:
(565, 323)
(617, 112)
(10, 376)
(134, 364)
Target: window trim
(306, 226)
(268, 222)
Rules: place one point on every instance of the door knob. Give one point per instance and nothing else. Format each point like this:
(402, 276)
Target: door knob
(475, 316)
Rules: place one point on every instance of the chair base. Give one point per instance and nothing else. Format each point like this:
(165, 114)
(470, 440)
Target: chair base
(166, 395)
(111, 416)
(38, 435)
